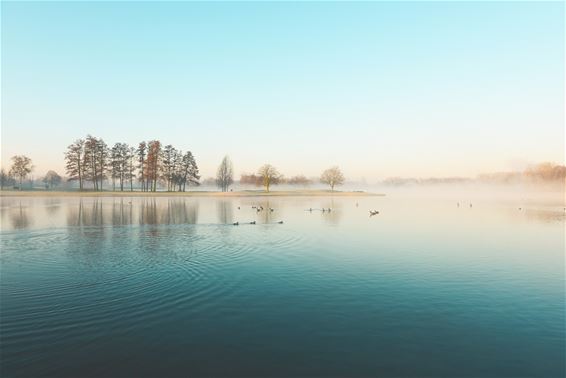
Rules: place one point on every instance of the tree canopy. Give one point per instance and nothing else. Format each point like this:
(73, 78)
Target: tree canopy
(333, 177)
(269, 175)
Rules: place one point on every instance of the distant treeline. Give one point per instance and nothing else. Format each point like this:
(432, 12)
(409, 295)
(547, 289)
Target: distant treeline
(544, 172)
(540, 173)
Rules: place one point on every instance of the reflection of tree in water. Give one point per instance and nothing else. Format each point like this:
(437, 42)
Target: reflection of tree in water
(19, 217)
(174, 212)
(86, 215)
(148, 212)
(178, 212)
(52, 206)
(122, 213)
(224, 211)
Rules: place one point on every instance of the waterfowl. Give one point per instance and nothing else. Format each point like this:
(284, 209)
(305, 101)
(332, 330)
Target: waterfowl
(252, 222)
(236, 223)
(280, 222)
(373, 212)
(238, 207)
(271, 209)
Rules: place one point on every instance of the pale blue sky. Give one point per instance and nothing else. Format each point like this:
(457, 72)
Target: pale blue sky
(381, 89)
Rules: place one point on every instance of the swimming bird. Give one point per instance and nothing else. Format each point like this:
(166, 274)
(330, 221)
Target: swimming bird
(520, 209)
(261, 207)
(236, 223)
(271, 209)
(329, 209)
(238, 207)
(254, 207)
(280, 222)
(373, 212)
(252, 222)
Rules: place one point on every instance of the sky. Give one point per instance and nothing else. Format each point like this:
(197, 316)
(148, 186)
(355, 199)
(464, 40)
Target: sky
(380, 89)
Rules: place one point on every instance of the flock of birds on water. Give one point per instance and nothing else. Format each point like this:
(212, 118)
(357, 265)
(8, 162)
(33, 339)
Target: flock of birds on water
(372, 213)
(260, 208)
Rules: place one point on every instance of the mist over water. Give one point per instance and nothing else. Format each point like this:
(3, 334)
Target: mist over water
(440, 283)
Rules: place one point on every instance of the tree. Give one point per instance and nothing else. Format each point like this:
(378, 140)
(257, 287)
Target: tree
(131, 167)
(74, 158)
(189, 173)
(332, 176)
(250, 179)
(120, 164)
(269, 176)
(5, 179)
(300, 180)
(142, 163)
(153, 163)
(21, 167)
(169, 159)
(225, 174)
(52, 179)
(96, 161)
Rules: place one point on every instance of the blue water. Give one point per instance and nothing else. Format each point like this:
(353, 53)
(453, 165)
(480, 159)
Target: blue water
(169, 287)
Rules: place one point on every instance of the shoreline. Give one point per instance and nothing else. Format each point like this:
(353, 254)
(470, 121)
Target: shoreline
(242, 193)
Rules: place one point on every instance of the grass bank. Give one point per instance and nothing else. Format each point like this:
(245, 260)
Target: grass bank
(196, 193)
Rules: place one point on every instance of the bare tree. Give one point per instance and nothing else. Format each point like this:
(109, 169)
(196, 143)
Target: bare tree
(269, 175)
(52, 179)
(21, 167)
(225, 174)
(332, 176)
(74, 157)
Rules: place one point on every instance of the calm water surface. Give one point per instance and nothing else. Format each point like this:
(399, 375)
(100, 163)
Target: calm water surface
(169, 287)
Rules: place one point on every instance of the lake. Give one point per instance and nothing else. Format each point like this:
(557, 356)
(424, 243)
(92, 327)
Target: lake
(136, 287)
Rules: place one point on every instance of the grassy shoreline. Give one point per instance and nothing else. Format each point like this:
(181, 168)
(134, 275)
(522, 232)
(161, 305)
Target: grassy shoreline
(242, 193)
